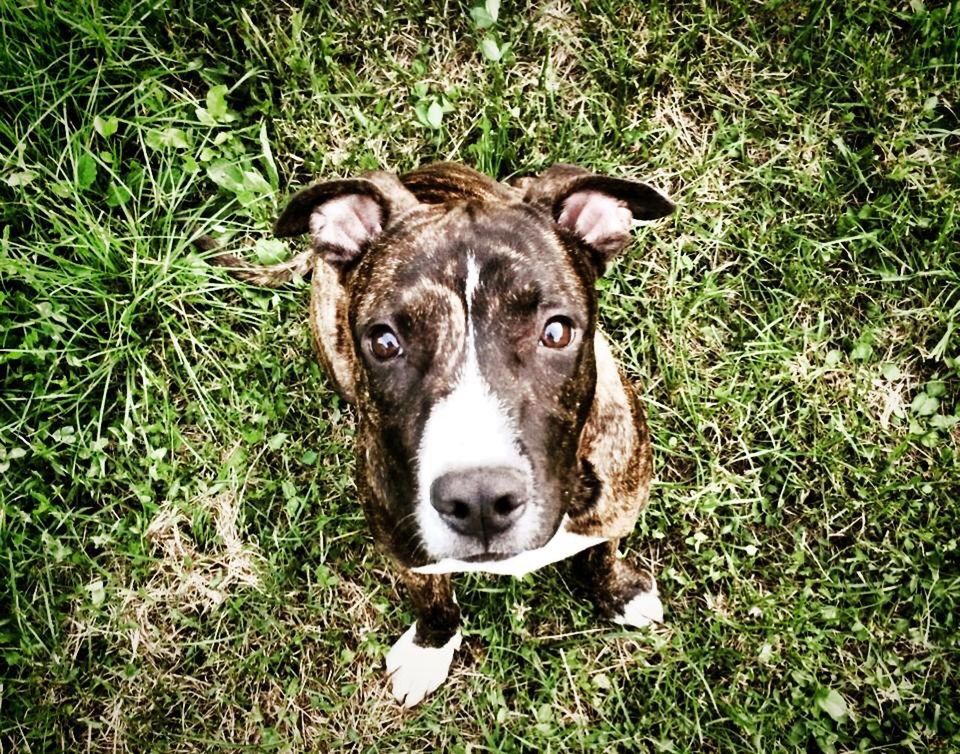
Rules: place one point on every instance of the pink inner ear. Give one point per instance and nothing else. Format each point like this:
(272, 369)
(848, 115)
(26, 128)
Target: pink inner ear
(343, 226)
(600, 220)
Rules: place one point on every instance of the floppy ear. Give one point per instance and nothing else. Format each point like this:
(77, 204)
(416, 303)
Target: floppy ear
(344, 216)
(596, 209)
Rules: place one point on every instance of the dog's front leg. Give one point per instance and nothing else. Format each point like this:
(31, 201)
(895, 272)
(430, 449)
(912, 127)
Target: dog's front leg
(621, 591)
(420, 660)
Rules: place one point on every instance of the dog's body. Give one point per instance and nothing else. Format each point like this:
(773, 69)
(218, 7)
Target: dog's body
(496, 432)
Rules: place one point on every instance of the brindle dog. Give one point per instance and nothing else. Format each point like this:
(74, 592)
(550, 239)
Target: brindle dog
(495, 430)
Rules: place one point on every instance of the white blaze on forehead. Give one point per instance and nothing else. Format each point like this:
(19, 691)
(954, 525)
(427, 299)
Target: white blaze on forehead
(468, 428)
(473, 282)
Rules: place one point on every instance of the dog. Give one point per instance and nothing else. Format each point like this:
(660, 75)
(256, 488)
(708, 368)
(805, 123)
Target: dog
(495, 430)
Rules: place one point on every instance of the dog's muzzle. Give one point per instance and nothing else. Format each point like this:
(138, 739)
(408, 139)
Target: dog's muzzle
(482, 502)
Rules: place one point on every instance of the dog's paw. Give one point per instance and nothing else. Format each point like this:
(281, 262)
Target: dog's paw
(641, 610)
(417, 671)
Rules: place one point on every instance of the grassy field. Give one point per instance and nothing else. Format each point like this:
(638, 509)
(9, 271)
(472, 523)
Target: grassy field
(183, 564)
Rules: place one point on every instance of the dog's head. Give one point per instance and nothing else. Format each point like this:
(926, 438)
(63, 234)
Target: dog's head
(462, 318)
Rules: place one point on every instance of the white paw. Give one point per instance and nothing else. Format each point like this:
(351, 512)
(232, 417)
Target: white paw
(417, 671)
(642, 610)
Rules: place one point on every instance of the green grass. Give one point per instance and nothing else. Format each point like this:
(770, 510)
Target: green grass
(184, 565)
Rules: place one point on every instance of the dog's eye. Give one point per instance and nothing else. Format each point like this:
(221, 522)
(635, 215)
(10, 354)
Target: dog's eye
(557, 333)
(384, 343)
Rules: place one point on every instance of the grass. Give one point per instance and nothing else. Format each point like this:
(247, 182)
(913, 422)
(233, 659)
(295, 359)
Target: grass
(184, 565)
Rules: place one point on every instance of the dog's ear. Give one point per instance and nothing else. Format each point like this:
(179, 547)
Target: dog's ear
(344, 216)
(597, 209)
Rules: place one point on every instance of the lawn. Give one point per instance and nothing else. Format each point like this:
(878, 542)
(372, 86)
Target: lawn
(183, 563)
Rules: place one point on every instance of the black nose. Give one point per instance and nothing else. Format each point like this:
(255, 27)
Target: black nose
(480, 502)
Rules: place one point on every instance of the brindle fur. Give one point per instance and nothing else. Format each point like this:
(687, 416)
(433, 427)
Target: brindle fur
(609, 581)
(598, 416)
(438, 614)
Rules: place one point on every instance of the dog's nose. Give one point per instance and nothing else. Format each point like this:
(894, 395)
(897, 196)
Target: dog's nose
(480, 502)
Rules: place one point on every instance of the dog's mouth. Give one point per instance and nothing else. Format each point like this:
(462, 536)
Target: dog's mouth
(488, 556)
(499, 551)
(563, 544)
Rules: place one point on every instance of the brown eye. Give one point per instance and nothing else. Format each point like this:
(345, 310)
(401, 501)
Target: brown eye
(384, 343)
(557, 333)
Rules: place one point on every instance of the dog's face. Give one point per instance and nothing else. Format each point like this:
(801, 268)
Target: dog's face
(471, 359)
(474, 332)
